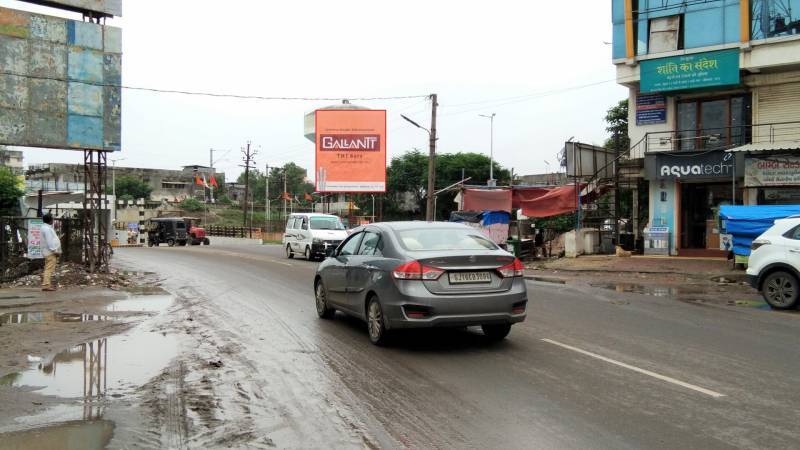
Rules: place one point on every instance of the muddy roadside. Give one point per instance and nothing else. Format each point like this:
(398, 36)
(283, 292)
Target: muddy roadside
(74, 363)
(698, 281)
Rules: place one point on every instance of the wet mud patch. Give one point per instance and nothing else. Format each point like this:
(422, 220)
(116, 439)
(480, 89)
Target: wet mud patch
(17, 318)
(89, 435)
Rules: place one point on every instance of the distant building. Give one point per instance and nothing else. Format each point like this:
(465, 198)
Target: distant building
(235, 191)
(169, 185)
(543, 179)
(12, 159)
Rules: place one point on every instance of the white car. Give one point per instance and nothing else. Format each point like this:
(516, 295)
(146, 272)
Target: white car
(312, 235)
(774, 265)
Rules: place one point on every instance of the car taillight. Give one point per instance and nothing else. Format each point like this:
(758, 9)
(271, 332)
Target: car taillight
(756, 244)
(513, 269)
(415, 271)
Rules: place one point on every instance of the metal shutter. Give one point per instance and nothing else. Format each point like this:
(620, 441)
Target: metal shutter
(779, 103)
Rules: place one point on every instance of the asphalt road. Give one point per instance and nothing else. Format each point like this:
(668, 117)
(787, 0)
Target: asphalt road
(590, 368)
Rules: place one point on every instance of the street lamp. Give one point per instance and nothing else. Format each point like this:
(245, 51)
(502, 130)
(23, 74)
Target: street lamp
(429, 213)
(491, 147)
(114, 176)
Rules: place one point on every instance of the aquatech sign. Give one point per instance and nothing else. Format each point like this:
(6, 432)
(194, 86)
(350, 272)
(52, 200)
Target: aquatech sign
(350, 150)
(695, 71)
(712, 164)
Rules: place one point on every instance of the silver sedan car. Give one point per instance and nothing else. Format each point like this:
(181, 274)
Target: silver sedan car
(420, 274)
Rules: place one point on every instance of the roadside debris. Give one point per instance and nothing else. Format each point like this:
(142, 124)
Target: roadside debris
(71, 275)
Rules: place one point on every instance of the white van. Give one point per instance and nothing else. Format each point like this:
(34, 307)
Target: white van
(312, 235)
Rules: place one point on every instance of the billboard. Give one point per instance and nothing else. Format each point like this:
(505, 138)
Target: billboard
(108, 7)
(694, 71)
(350, 150)
(59, 82)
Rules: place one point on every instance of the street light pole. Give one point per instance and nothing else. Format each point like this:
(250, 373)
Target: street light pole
(491, 147)
(430, 207)
(266, 198)
(114, 177)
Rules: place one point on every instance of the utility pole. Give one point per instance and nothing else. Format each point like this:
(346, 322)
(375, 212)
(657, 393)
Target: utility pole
(266, 198)
(284, 194)
(247, 157)
(491, 148)
(432, 160)
(211, 166)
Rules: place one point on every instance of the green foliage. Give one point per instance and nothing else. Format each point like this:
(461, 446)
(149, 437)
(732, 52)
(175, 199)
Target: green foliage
(295, 182)
(559, 224)
(10, 192)
(192, 205)
(617, 124)
(224, 200)
(132, 187)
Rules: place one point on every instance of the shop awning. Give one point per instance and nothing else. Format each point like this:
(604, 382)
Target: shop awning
(766, 147)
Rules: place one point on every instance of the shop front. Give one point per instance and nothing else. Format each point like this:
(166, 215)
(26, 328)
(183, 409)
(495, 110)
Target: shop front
(772, 178)
(686, 190)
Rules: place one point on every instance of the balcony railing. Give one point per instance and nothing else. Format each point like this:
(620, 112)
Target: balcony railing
(716, 138)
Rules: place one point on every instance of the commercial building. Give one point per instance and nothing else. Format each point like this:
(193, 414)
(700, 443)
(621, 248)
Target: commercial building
(167, 185)
(12, 160)
(714, 108)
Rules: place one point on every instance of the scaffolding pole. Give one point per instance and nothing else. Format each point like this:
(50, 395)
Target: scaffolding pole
(95, 228)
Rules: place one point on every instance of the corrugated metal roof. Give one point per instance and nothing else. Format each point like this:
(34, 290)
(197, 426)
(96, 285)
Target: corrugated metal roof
(767, 147)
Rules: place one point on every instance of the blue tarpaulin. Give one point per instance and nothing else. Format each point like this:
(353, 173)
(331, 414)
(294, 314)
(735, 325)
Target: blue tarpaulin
(746, 223)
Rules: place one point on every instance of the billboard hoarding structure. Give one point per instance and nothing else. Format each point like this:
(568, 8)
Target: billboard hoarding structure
(350, 150)
(104, 7)
(60, 82)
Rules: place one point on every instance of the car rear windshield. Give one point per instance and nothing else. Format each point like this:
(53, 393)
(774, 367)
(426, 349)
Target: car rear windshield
(326, 223)
(444, 239)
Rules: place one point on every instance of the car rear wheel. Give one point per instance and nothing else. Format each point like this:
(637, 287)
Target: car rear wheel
(309, 256)
(375, 322)
(323, 310)
(289, 253)
(496, 332)
(171, 242)
(206, 241)
(780, 290)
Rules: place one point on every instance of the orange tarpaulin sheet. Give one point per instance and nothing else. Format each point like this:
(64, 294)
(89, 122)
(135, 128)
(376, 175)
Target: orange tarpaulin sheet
(487, 200)
(556, 201)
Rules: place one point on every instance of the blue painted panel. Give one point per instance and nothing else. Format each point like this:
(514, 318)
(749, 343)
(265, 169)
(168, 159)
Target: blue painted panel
(618, 47)
(731, 23)
(703, 28)
(85, 99)
(617, 11)
(85, 34)
(84, 132)
(642, 34)
(85, 65)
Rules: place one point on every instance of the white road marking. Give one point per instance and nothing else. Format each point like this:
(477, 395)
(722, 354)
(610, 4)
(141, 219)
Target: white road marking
(638, 370)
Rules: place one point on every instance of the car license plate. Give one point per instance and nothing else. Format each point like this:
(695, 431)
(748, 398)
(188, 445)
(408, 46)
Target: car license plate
(469, 277)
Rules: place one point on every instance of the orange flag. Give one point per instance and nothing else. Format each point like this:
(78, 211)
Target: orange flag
(213, 182)
(286, 196)
(197, 180)
(308, 197)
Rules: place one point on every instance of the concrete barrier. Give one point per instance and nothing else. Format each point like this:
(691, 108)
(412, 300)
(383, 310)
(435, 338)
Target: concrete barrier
(219, 240)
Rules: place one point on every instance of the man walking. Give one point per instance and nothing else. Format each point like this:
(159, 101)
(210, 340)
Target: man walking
(51, 249)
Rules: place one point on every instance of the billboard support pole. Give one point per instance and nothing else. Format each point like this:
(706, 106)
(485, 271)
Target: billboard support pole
(95, 239)
(432, 160)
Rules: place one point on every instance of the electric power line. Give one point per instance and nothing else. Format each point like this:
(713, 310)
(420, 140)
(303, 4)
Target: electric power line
(209, 94)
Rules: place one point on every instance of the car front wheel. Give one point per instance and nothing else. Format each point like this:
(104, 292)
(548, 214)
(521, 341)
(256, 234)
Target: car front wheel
(289, 253)
(780, 290)
(375, 322)
(496, 332)
(309, 256)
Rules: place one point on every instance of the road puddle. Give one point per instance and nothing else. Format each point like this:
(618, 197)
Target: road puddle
(653, 290)
(90, 434)
(104, 367)
(48, 317)
(145, 304)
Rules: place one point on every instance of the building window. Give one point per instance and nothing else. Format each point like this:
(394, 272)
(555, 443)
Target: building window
(715, 123)
(172, 185)
(774, 18)
(665, 34)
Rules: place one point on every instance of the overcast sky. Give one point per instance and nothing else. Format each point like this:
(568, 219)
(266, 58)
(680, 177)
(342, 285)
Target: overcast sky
(479, 57)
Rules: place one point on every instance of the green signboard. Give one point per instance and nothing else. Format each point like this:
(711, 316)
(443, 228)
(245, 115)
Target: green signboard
(698, 70)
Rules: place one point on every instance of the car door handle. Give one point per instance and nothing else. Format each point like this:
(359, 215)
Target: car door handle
(794, 250)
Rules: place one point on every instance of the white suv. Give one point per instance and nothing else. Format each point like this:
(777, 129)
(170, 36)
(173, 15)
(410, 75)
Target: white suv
(774, 265)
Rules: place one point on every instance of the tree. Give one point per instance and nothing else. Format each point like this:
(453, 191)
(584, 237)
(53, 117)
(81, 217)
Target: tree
(617, 124)
(10, 192)
(132, 187)
(191, 204)
(296, 183)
